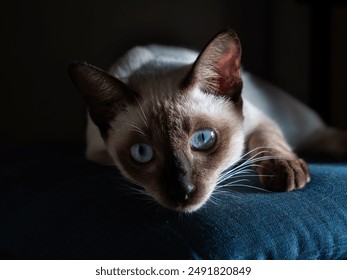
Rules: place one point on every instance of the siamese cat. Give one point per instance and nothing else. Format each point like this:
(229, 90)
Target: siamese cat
(173, 121)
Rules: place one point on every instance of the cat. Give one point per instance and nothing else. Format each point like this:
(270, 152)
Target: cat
(173, 120)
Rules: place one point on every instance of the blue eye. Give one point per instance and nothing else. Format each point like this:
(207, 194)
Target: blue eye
(203, 139)
(142, 153)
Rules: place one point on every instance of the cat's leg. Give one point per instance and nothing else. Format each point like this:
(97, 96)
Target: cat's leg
(280, 169)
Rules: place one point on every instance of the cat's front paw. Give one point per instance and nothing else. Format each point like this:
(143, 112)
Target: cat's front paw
(283, 175)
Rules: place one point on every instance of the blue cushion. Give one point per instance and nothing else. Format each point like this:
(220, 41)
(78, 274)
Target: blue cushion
(56, 205)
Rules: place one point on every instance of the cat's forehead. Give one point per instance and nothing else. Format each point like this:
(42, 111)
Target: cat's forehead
(159, 116)
(199, 103)
(186, 110)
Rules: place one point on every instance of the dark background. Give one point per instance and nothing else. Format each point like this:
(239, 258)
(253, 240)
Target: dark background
(297, 45)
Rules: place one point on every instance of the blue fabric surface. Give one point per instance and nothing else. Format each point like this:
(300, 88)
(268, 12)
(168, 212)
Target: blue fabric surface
(55, 206)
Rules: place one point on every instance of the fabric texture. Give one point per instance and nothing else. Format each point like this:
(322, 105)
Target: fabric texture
(56, 205)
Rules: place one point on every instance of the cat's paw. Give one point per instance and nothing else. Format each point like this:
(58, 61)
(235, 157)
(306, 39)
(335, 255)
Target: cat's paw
(283, 174)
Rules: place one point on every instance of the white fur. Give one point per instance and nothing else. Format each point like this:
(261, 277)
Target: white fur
(296, 120)
(209, 104)
(133, 60)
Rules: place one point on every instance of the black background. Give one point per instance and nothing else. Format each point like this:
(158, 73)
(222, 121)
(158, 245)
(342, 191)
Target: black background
(297, 45)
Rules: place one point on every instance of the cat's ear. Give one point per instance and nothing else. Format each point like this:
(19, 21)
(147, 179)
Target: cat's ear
(217, 68)
(104, 94)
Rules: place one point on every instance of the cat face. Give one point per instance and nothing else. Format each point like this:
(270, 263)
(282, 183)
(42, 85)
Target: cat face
(176, 149)
(172, 133)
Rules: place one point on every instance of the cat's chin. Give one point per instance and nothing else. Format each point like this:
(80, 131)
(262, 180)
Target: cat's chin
(187, 207)
(195, 201)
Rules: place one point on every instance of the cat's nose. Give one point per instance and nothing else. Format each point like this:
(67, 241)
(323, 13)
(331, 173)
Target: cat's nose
(181, 193)
(187, 191)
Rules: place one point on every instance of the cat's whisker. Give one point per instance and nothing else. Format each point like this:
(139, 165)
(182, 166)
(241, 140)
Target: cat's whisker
(217, 192)
(234, 182)
(212, 199)
(244, 173)
(232, 174)
(243, 176)
(137, 129)
(222, 192)
(246, 186)
(245, 155)
(150, 206)
(254, 160)
(256, 188)
(254, 175)
(143, 115)
(246, 164)
(244, 170)
(143, 193)
(245, 167)
(258, 159)
(132, 189)
(256, 155)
